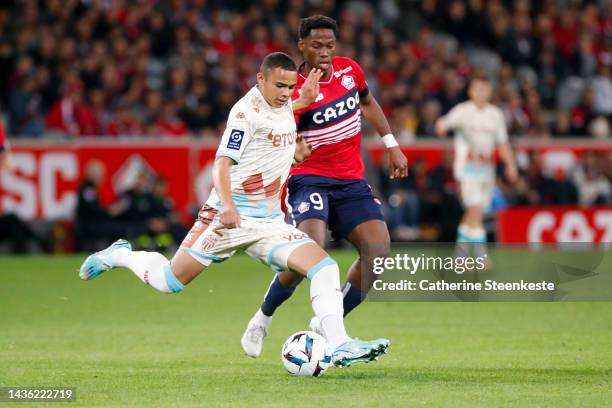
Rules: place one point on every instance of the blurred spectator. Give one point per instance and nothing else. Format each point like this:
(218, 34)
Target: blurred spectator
(149, 215)
(113, 67)
(600, 128)
(441, 207)
(135, 204)
(429, 114)
(64, 115)
(592, 185)
(563, 124)
(25, 106)
(164, 219)
(551, 189)
(95, 225)
(516, 118)
(168, 123)
(583, 114)
(602, 92)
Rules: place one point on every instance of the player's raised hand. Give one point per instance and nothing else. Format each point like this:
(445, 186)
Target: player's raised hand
(302, 149)
(310, 87)
(229, 217)
(511, 173)
(398, 163)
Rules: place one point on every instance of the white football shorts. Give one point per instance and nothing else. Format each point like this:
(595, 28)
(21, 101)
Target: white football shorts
(269, 240)
(476, 191)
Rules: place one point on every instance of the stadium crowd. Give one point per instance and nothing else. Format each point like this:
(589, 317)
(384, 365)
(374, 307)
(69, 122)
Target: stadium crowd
(150, 67)
(107, 68)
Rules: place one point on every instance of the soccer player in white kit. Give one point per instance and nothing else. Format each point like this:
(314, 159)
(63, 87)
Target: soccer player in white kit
(479, 127)
(243, 212)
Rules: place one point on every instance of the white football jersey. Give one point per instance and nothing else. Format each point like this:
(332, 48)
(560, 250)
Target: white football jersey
(477, 132)
(260, 139)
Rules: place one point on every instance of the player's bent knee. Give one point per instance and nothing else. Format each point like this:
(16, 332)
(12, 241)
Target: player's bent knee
(289, 279)
(326, 266)
(174, 285)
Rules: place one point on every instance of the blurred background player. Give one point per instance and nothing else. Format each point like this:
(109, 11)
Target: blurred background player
(328, 190)
(243, 212)
(479, 127)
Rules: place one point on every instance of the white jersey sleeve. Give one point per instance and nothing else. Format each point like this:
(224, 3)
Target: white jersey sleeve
(501, 136)
(452, 119)
(238, 133)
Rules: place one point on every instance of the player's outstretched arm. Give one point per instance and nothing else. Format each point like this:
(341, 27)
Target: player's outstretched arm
(441, 127)
(506, 155)
(229, 215)
(302, 149)
(398, 164)
(309, 90)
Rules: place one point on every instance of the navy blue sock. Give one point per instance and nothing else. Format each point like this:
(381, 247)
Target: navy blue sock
(276, 295)
(352, 298)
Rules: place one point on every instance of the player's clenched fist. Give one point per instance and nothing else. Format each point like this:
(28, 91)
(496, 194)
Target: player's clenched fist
(398, 164)
(302, 149)
(229, 217)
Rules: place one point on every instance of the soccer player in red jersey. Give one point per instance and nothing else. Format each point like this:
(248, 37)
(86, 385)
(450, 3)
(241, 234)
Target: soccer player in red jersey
(328, 190)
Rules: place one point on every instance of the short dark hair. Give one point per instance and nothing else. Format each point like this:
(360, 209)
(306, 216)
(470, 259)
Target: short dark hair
(478, 78)
(317, 21)
(277, 60)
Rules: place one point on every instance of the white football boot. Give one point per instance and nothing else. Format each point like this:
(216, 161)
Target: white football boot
(253, 338)
(315, 326)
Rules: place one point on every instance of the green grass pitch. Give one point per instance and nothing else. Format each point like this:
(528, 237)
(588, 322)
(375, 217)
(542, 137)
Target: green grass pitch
(120, 343)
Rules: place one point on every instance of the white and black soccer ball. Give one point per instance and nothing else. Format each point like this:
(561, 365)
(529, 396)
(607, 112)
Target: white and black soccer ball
(306, 353)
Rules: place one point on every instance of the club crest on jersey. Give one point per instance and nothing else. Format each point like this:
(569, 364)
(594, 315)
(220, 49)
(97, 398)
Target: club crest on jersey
(348, 82)
(235, 139)
(303, 207)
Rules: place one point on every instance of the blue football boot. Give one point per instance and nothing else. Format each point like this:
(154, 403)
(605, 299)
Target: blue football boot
(359, 351)
(98, 263)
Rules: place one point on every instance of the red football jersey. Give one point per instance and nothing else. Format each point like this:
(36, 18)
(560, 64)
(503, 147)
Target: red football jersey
(332, 124)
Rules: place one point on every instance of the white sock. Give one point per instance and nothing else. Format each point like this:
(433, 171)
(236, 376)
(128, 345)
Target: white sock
(463, 233)
(151, 267)
(479, 235)
(261, 319)
(326, 299)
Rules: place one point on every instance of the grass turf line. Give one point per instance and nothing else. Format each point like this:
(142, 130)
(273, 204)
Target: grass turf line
(120, 343)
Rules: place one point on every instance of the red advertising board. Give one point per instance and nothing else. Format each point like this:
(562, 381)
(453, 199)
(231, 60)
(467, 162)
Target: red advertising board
(45, 179)
(555, 224)
(42, 184)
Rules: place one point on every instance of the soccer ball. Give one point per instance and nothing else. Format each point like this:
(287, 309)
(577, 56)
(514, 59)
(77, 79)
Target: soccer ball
(306, 353)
